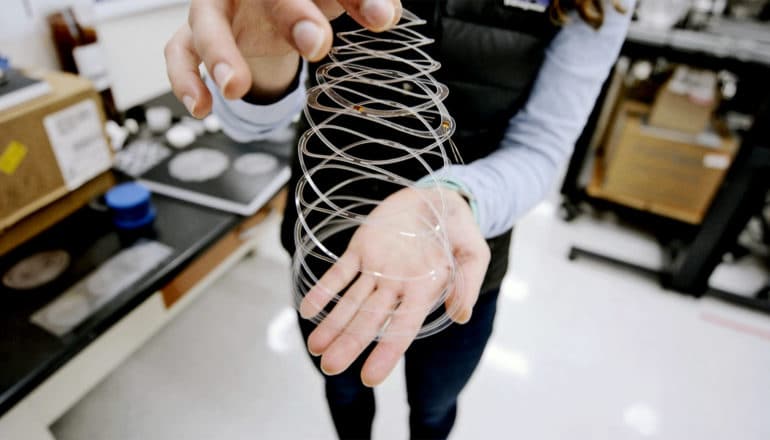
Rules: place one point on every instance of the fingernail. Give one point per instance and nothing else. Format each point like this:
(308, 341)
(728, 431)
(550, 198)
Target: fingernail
(366, 382)
(397, 14)
(306, 311)
(222, 74)
(308, 37)
(325, 371)
(312, 352)
(189, 103)
(378, 13)
(370, 373)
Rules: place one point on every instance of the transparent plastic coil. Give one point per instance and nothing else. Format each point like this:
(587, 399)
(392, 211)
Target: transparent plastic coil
(377, 125)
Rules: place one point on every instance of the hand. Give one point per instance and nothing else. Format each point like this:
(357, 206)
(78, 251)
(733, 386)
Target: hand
(254, 45)
(393, 242)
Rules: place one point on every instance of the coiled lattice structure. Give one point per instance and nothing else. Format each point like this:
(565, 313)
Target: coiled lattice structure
(377, 125)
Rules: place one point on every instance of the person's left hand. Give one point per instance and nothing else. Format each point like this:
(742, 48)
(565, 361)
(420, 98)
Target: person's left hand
(393, 243)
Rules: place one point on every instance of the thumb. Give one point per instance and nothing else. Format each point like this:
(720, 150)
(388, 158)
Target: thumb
(471, 267)
(472, 256)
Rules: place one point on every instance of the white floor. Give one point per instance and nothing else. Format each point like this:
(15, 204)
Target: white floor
(580, 351)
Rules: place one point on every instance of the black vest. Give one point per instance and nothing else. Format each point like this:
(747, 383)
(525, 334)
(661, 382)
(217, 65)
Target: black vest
(490, 55)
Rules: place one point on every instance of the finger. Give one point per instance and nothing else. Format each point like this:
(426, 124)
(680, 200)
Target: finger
(360, 332)
(302, 24)
(339, 318)
(376, 15)
(471, 269)
(332, 282)
(214, 41)
(403, 328)
(472, 256)
(182, 69)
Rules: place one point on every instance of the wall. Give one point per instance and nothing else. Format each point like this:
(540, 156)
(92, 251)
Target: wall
(135, 52)
(133, 41)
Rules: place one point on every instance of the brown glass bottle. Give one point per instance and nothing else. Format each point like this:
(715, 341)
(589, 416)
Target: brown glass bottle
(79, 51)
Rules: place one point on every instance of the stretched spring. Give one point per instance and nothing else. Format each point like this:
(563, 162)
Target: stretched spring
(377, 125)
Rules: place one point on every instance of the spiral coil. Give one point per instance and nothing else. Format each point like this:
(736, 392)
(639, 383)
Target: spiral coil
(377, 124)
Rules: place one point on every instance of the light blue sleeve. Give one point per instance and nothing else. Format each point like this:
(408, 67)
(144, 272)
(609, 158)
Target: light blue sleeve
(245, 122)
(540, 137)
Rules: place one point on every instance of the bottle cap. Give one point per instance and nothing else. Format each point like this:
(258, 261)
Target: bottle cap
(130, 205)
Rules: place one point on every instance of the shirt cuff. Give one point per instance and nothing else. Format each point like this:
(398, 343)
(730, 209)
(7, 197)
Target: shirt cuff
(246, 122)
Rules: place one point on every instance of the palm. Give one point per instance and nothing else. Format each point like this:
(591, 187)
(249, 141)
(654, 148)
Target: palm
(411, 255)
(398, 265)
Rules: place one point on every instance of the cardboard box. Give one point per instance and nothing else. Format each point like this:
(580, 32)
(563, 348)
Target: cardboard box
(663, 171)
(686, 102)
(50, 146)
(48, 216)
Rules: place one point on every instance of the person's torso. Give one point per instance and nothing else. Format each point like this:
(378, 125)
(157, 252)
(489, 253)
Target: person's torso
(490, 53)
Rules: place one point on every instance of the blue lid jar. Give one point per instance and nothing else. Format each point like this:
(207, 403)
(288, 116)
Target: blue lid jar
(130, 205)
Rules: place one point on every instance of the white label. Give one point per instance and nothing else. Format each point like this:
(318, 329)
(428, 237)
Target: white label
(527, 5)
(78, 142)
(92, 64)
(716, 161)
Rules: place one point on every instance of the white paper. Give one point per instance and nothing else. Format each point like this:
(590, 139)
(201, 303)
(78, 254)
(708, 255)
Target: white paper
(716, 161)
(78, 142)
(91, 61)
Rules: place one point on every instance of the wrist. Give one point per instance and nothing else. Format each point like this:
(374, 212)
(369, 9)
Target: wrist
(273, 77)
(456, 187)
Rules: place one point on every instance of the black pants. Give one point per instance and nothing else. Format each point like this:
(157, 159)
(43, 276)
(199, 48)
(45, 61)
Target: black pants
(437, 369)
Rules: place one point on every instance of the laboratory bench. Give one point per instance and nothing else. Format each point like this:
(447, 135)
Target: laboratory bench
(45, 370)
(42, 375)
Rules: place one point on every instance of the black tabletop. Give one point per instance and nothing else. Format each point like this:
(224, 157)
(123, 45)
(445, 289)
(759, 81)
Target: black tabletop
(29, 354)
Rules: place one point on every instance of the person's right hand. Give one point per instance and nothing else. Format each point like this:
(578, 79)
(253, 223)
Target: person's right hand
(254, 45)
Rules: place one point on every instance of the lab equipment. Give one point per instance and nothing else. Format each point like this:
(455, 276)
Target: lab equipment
(158, 118)
(180, 136)
(79, 51)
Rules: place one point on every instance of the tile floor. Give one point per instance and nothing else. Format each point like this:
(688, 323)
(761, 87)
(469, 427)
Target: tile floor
(580, 351)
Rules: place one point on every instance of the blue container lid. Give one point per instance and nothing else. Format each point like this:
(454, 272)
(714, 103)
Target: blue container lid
(130, 205)
(127, 195)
